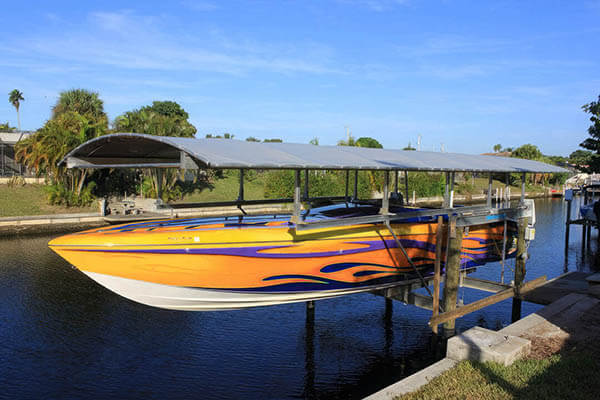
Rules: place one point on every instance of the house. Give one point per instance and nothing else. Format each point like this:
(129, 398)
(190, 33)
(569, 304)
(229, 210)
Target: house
(8, 165)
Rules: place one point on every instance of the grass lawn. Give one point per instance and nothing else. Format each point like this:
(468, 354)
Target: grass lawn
(31, 200)
(227, 189)
(478, 185)
(570, 375)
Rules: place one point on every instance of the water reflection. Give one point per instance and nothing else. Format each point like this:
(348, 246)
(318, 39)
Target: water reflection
(64, 336)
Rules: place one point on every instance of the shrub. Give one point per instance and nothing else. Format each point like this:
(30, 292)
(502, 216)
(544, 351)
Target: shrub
(58, 194)
(426, 184)
(280, 184)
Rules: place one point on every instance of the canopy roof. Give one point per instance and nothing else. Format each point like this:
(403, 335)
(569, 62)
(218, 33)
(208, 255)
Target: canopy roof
(134, 150)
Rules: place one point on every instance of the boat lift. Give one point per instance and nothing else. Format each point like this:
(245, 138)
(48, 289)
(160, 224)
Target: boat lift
(131, 150)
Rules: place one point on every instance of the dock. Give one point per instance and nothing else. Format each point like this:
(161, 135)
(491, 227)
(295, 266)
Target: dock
(561, 286)
(571, 318)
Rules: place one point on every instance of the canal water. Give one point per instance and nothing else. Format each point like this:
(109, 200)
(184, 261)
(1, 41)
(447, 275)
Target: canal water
(64, 336)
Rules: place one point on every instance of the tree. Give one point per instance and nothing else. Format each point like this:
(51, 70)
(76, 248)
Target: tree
(275, 140)
(6, 128)
(349, 142)
(167, 108)
(314, 141)
(581, 158)
(368, 142)
(43, 150)
(224, 136)
(497, 148)
(15, 98)
(84, 102)
(409, 147)
(527, 151)
(252, 139)
(162, 118)
(593, 143)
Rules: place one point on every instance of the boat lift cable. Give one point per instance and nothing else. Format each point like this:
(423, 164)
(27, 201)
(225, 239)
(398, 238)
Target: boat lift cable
(410, 261)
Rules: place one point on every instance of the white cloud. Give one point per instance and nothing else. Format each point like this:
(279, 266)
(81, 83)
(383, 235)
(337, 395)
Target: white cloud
(126, 40)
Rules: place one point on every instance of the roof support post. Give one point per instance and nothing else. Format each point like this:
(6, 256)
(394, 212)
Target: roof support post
(451, 202)
(405, 187)
(159, 178)
(396, 182)
(241, 191)
(507, 190)
(447, 191)
(347, 184)
(297, 200)
(306, 185)
(355, 185)
(523, 187)
(385, 201)
(489, 193)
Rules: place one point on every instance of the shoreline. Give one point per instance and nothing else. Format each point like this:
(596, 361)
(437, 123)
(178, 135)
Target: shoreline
(63, 223)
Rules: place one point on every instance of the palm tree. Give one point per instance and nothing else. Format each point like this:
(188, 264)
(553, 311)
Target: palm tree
(84, 102)
(15, 97)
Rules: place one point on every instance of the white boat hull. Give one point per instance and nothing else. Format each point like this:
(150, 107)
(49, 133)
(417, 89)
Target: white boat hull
(199, 299)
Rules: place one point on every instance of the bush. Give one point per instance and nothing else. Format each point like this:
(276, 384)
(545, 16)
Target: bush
(60, 195)
(280, 184)
(426, 184)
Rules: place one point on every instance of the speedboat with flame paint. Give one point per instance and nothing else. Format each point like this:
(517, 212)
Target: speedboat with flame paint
(222, 263)
(356, 246)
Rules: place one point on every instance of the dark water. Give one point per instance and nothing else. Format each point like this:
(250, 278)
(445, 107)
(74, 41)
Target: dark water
(64, 336)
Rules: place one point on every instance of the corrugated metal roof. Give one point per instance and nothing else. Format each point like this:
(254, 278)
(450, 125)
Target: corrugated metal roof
(139, 150)
(13, 137)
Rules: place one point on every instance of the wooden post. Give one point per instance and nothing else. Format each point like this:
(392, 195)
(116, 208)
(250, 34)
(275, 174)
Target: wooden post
(487, 301)
(452, 273)
(439, 237)
(389, 306)
(520, 271)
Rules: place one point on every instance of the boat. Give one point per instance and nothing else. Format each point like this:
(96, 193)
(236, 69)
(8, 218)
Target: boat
(216, 263)
(342, 248)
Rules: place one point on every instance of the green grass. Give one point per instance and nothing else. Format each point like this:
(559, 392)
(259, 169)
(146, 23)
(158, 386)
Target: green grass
(227, 189)
(31, 200)
(479, 185)
(571, 375)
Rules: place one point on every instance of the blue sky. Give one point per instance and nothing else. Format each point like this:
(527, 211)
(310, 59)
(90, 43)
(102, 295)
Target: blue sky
(468, 74)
